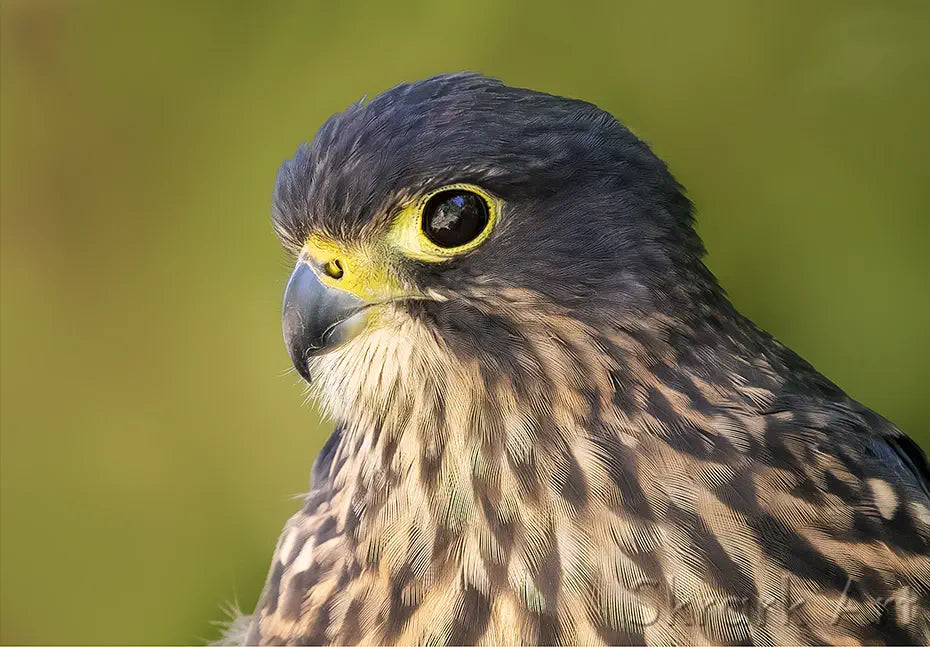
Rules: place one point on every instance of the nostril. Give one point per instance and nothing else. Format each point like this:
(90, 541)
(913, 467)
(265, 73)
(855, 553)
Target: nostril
(334, 269)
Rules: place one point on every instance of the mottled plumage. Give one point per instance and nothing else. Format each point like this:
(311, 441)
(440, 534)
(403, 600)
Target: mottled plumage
(568, 434)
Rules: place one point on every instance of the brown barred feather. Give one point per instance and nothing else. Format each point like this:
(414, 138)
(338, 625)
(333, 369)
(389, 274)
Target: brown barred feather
(703, 513)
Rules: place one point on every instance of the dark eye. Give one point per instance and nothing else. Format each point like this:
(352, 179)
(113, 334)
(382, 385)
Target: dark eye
(454, 218)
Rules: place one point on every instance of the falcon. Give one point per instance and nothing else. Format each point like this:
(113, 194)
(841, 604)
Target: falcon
(552, 427)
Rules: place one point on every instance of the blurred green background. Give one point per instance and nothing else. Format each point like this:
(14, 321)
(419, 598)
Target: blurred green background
(151, 435)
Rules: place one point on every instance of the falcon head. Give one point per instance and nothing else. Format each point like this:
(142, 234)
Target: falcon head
(457, 221)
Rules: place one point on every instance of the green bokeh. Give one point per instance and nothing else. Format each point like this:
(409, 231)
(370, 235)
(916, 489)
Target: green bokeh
(151, 434)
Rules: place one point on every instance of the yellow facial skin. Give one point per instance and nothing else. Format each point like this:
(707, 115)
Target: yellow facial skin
(363, 270)
(368, 269)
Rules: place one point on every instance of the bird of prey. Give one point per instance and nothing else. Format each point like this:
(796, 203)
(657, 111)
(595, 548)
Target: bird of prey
(552, 427)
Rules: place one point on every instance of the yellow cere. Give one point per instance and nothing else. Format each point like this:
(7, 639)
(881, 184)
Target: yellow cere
(407, 231)
(364, 270)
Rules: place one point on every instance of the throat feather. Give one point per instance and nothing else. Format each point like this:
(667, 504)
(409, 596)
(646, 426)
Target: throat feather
(454, 446)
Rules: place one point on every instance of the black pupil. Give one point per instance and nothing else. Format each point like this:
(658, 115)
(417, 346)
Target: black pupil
(454, 218)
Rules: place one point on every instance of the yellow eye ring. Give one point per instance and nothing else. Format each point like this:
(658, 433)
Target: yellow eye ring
(430, 227)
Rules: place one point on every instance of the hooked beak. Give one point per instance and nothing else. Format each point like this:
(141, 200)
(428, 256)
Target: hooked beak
(317, 318)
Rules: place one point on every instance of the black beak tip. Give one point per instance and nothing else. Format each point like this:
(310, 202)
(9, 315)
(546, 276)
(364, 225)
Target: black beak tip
(296, 343)
(302, 370)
